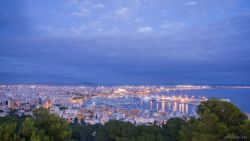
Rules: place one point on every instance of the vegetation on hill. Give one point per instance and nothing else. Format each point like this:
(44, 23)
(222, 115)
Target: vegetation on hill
(218, 120)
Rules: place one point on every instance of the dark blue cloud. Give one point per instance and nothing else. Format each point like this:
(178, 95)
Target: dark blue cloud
(218, 53)
(13, 18)
(130, 42)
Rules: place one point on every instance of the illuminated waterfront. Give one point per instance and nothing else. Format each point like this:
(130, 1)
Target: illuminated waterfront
(170, 105)
(136, 104)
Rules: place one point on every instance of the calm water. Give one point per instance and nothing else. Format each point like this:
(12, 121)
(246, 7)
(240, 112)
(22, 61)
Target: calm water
(240, 97)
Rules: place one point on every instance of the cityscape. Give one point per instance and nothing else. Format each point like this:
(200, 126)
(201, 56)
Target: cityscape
(124, 70)
(99, 104)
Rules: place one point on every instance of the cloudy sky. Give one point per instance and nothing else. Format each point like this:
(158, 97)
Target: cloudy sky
(125, 41)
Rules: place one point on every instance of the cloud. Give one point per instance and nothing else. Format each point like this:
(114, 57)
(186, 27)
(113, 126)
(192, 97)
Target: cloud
(167, 24)
(195, 55)
(99, 5)
(145, 29)
(75, 1)
(123, 13)
(191, 3)
(83, 12)
(84, 8)
(13, 18)
(122, 56)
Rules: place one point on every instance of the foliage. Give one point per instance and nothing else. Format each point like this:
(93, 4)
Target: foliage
(125, 131)
(53, 126)
(218, 121)
(43, 126)
(84, 132)
(172, 128)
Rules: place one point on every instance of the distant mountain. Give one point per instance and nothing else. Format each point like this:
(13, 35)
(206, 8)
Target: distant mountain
(57, 83)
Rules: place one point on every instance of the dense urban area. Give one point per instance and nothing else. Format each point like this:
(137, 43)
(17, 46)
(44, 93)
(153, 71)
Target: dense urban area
(136, 104)
(118, 113)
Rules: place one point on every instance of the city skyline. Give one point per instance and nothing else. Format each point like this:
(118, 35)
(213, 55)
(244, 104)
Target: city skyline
(124, 70)
(119, 42)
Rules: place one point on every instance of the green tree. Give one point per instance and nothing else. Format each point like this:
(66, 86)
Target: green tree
(126, 131)
(172, 128)
(30, 132)
(53, 126)
(84, 132)
(8, 132)
(218, 120)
